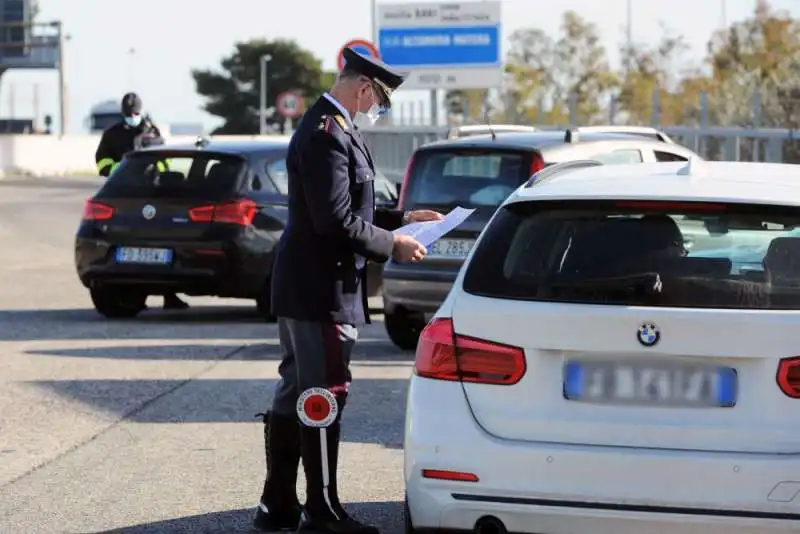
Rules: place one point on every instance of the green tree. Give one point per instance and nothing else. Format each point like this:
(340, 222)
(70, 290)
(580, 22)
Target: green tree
(233, 92)
(760, 54)
(660, 70)
(583, 75)
(529, 67)
(328, 79)
(469, 104)
(548, 75)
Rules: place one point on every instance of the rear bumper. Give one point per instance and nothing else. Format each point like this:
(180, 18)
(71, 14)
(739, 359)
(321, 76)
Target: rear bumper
(416, 290)
(198, 269)
(569, 489)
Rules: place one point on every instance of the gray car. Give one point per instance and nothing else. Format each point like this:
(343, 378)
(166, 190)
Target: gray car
(480, 172)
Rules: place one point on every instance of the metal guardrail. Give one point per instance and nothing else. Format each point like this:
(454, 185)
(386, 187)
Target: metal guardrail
(392, 146)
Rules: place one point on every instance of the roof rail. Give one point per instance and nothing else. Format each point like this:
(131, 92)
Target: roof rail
(201, 141)
(632, 130)
(572, 136)
(464, 130)
(554, 170)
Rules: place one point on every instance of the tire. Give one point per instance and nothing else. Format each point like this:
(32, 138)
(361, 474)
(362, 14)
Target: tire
(263, 304)
(115, 302)
(403, 329)
(408, 525)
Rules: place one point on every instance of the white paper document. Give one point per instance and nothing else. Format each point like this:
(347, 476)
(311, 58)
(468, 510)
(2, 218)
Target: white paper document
(430, 232)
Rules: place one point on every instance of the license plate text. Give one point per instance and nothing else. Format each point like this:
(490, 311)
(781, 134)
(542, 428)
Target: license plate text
(450, 248)
(153, 256)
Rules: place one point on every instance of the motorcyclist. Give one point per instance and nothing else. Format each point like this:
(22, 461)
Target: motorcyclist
(134, 131)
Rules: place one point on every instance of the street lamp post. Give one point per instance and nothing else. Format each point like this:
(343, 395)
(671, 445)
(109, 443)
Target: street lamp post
(262, 126)
(62, 81)
(131, 60)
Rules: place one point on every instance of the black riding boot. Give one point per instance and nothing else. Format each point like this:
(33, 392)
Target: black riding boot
(323, 513)
(279, 508)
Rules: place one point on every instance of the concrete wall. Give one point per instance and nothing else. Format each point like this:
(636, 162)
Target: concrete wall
(51, 155)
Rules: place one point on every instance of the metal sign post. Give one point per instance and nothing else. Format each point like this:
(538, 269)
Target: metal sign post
(262, 114)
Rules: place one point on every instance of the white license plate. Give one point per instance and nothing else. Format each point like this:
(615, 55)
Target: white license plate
(645, 384)
(450, 248)
(156, 256)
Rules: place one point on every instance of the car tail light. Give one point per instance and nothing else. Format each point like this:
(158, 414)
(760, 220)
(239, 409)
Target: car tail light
(789, 377)
(537, 163)
(457, 476)
(444, 355)
(97, 211)
(239, 212)
(404, 186)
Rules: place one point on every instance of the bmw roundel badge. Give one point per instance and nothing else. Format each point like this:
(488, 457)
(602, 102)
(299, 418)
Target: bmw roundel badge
(148, 212)
(648, 334)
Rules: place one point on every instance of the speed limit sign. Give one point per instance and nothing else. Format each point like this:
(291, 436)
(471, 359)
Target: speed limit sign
(289, 104)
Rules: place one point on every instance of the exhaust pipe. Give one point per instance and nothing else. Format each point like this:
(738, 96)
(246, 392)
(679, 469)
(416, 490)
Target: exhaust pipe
(489, 524)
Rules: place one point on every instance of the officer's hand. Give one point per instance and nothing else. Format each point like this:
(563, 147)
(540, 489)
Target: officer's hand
(424, 216)
(407, 249)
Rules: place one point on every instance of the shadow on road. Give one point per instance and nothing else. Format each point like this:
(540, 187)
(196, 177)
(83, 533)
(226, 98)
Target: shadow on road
(89, 183)
(86, 323)
(387, 516)
(372, 405)
(370, 350)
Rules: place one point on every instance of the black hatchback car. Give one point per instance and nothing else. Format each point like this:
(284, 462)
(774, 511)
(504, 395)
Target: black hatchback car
(200, 219)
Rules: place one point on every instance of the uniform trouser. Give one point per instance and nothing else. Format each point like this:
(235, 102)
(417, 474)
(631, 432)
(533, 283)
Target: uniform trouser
(316, 354)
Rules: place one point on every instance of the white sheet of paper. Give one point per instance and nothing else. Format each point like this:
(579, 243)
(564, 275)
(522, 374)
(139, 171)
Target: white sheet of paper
(430, 232)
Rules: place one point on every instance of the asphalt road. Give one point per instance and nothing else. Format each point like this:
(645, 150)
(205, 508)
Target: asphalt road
(148, 425)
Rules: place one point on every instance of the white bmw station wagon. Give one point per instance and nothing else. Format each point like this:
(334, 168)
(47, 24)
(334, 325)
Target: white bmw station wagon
(619, 354)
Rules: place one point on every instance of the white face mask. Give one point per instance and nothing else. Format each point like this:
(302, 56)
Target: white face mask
(134, 121)
(371, 116)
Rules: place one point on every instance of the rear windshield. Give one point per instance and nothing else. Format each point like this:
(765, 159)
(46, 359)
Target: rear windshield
(176, 175)
(465, 178)
(688, 255)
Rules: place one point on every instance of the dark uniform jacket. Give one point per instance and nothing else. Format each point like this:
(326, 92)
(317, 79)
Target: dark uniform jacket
(120, 139)
(333, 226)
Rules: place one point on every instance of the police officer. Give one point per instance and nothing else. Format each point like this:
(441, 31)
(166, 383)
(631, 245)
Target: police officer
(318, 292)
(132, 132)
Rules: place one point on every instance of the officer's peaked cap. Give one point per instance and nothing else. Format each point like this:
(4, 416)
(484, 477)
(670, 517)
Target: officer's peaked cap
(131, 104)
(384, 78)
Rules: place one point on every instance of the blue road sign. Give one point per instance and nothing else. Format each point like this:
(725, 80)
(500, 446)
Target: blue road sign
(477, 46)
(450, 45)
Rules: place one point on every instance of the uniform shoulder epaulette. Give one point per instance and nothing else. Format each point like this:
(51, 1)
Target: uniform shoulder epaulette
(341, 121)
(327, 121)
(324, 123)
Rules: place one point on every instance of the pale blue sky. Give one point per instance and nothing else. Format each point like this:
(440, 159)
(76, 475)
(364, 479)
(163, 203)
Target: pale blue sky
(172, 36)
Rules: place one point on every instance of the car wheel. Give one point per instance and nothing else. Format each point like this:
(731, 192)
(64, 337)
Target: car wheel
(118, 302)
(263, 303)
(403, 329)
(408, 526)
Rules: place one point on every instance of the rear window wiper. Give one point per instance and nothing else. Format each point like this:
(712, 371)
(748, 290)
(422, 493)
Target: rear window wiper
(649, 283)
